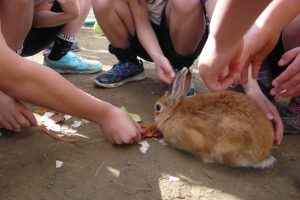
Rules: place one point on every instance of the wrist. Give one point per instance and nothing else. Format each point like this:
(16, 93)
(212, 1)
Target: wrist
(104, 114)
(157, 57)
(69, 16)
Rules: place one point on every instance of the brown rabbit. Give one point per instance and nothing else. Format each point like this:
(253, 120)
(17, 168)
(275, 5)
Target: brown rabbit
(224, 127)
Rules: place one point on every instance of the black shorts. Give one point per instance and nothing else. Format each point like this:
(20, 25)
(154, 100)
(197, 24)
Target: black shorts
(39, 38)
(163, 35)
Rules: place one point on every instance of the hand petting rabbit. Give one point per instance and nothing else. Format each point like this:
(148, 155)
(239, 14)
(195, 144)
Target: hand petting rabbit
(224, 127)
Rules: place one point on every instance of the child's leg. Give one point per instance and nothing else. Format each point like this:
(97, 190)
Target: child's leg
(183, 32)
(61, 58)
(16, 21)
(116, 21)
(62, 46)
(186, 22)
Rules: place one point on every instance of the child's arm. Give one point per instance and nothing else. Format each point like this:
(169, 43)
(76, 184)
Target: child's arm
(226, 50)
(253, 90)
(264, 33)
(149, 40)
(34, 83)
(230, 20)
(43, 17)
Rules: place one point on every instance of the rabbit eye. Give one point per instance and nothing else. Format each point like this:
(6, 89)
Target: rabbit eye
(157, 107)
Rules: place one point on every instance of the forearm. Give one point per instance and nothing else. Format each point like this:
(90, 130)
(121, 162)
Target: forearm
(251, 87)
(278, 14)
(149, 41)
(47, 18)
(34, 83)
(144, 30)
(232, 18)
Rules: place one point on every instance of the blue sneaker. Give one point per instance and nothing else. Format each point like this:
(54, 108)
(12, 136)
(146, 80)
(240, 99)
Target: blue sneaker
(121, 73)
(72, 63)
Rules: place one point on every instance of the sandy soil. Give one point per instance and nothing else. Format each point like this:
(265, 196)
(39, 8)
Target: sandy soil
(95, 169)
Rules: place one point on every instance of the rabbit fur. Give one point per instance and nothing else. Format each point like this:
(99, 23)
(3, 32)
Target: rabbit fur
(223, 127)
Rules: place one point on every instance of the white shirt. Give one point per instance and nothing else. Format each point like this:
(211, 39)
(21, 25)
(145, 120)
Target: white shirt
(156, 10)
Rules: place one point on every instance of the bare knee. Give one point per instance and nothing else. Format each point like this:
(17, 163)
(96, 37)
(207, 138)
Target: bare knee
(186, 7)
(15, 6)
(22, 3)
(101, 7)
(85, 6)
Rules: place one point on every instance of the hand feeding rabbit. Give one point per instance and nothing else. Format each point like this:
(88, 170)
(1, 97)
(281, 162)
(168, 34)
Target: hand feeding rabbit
(223, 127)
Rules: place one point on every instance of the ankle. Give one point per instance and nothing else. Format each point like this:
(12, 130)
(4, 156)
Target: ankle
(62, 45)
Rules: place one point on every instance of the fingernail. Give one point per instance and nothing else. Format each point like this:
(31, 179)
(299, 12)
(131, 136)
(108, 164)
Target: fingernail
(270, 116)
(281, 62)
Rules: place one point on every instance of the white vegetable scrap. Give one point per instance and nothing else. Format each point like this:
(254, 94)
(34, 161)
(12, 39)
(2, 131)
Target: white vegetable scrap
(59, 164)
(54, 127)
(162, 142)
(45, 119)
(71, 131)
(76, 124)
(145, 146)
(64, 128)
(85, 121)
(173, 178)
(48, 114)
(60, 135)
(47, 122)
(67, 117)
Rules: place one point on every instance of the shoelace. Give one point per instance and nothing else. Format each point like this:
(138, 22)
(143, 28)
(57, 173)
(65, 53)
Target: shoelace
(116, 68)
(295, 121)
(79, 58)
(294, 107)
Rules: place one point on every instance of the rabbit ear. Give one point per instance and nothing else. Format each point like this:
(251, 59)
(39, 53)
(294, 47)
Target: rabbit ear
(180, 85)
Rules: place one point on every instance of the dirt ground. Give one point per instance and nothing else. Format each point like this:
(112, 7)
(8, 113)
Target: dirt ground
(95, 169)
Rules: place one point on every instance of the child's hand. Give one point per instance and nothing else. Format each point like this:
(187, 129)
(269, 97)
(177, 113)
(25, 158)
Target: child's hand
(218, 65)
(14, 115)
(258, 42)
(70, 7)
(164, 70)
(287, 84)
(270, 111)
(118, 128)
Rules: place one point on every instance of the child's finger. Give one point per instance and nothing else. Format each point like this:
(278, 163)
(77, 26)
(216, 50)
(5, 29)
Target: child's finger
(288, 57)
(6, 125)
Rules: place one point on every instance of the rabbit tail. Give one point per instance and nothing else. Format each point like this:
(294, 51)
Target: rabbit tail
(269, 162)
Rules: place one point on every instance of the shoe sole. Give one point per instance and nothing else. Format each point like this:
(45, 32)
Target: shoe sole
(76, 50)
(75, 72)
(139, 77)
